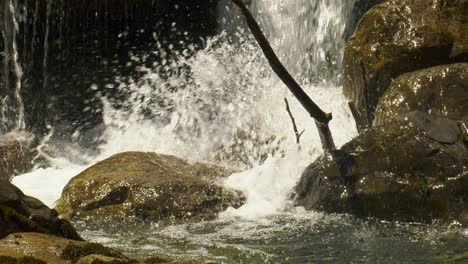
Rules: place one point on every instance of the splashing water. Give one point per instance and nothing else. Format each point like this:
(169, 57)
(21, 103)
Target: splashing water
(221, 105)
(224, 105)
(11, 110)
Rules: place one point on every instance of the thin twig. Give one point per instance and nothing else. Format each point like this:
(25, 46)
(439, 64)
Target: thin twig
(296, 132)
(321, 118)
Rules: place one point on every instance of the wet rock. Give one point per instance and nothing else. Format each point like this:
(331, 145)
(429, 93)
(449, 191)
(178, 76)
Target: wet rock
(360, 7)
(147, 187)
(16, 154)
(98, 259)
(21, 213)
(41, 248)
(36, 248)
(397, 37)
(411, 169)
(440, 91)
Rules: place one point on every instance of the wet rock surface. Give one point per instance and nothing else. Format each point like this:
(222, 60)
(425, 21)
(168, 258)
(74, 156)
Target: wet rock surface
(21, 213)
(36, 248)
(41, 248)
(441, 91)
(16, 154)
(412, 169)
(360, 7)
(147, 187)
(397, 37)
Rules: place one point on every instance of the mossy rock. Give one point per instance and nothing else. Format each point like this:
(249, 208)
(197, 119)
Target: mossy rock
(412, 169)
(440, 91)
(360, 7)
(42, 248)
(13, 222)
(21, 213)
(21, 260)
(397, 37)
(138, 186)
(74, 252)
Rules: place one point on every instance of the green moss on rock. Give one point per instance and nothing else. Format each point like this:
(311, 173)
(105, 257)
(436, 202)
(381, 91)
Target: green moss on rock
(403, 171)
(396, 37)
(12, 222)
(139, 186)
(21, 260)
(74, 252)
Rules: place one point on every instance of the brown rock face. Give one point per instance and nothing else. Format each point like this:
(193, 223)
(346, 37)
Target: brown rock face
(401, 36)
(35, 248)
(412, 169)
(21, 213)
(147, 187)
(441, 91)
(38, 248)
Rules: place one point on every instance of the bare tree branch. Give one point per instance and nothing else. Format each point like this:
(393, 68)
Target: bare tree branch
(322, 119)
(296, 132)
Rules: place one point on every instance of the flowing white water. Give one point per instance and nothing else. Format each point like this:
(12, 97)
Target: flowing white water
(225, 105)
(222, 105)
(11, 64)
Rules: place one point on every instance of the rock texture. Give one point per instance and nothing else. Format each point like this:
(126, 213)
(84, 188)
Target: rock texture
(41, 248)
(21, 213)
(147, 187)
(36, 248)
(16, 154)
(440, 91)
(412, 169)
(360, 7)
(397, 37)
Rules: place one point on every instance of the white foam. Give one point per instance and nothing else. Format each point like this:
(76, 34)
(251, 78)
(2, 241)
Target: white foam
(46, 184)
(224, 91)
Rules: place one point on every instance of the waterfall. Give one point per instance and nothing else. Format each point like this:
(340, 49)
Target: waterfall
(223, 104)
(11, 64)
(46, 47)
(308, 35)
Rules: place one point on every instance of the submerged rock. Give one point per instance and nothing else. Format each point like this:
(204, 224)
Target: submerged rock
(16, 154)
(21, 213)
(440, 91)
(397, 37)
(147, 187)
(412, 169)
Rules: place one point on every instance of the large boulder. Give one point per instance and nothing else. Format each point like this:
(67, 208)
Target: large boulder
(412, 169)
(21, 213)
(16, 154)
(147, 187)
(401, 36)
(441, 91)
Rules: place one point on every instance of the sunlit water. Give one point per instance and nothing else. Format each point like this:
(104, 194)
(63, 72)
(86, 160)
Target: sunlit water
(224, 105)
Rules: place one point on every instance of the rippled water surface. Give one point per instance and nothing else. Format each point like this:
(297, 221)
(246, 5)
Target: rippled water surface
(299, 237)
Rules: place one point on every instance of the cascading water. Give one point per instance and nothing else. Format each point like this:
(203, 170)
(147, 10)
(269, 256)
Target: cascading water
(223, 104)
(11, 105)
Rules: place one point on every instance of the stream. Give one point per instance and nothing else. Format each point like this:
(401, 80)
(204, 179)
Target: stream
(224, 105)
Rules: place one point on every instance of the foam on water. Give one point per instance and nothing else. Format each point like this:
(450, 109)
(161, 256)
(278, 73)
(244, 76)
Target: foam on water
(222, 105)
